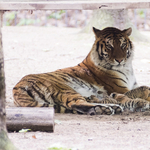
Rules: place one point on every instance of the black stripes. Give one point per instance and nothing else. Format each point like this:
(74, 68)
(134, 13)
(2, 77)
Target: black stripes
(106, 35)
(130, 44)
(97, 50)
(120, 85)
(30, 93)
(37, 90)
(122, 74)
(101, 47)
(119, 79)
(97, 46)
(102, 54)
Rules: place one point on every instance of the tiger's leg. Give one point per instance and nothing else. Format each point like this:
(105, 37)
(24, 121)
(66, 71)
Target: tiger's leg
(98, 109)
(137, 104)
(131, 104)
(33, 91)
(29, 94)
(74, 101)
(105, 100)
(142, 92)
(28, 101)
(141, 104)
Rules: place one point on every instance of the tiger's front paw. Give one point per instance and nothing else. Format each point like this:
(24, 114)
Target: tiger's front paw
(105, 109)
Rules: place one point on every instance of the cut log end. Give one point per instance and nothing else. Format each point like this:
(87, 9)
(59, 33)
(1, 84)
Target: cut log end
(36, 119)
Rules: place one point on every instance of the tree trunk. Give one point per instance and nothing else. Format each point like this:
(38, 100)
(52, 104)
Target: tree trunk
(5, 143)
(117, 18)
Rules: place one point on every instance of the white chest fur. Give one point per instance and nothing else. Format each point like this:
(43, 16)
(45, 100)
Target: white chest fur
(127, 74)
(86, 89)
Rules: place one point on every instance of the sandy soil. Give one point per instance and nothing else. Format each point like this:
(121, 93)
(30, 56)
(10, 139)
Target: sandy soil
(39, 49)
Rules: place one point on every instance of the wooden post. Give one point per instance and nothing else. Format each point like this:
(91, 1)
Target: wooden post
(36, 119)
(5, 143)
(2, 82)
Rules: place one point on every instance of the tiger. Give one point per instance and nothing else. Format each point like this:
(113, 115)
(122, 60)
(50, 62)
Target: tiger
(106, 69)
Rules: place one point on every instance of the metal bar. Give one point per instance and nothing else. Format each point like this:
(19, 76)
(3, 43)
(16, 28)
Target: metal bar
(66, 18)
(145, 18)
(15, 20)
(86, 16)
(56, 18)
(76, 21)
(35, 17)
(45, 23)
(4, 20)
(25, 18)
(135, 20)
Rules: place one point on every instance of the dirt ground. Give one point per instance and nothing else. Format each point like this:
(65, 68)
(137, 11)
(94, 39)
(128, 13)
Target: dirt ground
(43, 49)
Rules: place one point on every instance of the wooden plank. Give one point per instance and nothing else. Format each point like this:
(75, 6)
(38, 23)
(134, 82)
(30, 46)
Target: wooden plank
(103, 1)
(80, 5)
(36, 119)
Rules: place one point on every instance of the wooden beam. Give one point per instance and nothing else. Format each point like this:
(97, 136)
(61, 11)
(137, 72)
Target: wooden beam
(36, 119)
(80, 5)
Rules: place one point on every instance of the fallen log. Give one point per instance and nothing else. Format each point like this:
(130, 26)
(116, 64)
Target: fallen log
(36, 119)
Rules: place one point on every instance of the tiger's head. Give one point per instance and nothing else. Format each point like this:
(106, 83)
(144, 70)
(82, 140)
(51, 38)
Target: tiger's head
(112, 48)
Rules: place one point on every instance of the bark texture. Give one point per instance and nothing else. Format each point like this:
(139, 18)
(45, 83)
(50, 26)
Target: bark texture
(117, 18)
(36, 119)
(5, 143)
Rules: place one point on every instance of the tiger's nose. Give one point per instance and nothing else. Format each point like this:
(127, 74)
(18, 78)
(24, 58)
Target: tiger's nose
(119, 60)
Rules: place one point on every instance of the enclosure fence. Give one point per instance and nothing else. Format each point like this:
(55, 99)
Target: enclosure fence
(68, 18)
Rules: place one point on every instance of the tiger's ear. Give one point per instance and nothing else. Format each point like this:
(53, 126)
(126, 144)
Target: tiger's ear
(128, 31)
(96, 32)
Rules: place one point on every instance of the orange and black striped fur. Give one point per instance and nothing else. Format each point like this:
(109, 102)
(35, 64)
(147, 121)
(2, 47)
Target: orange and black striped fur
(134, 100)
(106, 69)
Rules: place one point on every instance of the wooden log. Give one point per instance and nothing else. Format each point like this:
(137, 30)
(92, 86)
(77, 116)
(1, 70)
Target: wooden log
(68, 4)
(36, 119)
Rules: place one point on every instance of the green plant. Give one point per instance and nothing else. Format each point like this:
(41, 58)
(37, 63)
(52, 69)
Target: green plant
(57, 14)
(141, 13)
(10, 16)
(27, 22)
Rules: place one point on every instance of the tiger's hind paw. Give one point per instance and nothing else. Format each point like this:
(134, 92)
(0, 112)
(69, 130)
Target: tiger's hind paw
(105, 109)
